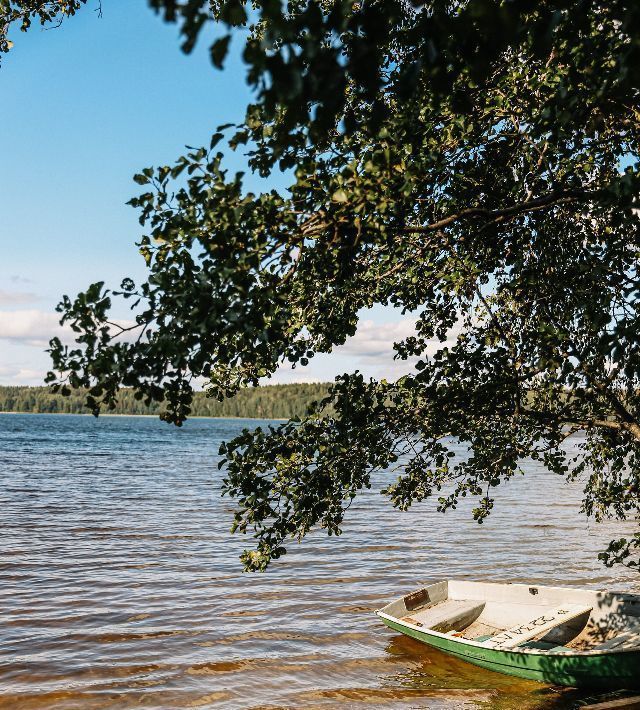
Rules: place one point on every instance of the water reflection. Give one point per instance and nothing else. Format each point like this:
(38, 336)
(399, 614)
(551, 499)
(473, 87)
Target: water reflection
(120, 586)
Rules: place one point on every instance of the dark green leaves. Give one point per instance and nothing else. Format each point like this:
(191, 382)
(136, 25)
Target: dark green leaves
(219, 51)
(23, 12)
(460, 162)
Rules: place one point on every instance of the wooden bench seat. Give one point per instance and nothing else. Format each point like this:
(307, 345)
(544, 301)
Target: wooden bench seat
(450, 615)
(540, 625)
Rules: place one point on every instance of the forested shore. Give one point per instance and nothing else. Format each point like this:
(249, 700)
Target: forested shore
(268, 402)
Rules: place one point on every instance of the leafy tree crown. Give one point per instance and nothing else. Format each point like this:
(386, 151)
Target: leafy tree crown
(473, 163)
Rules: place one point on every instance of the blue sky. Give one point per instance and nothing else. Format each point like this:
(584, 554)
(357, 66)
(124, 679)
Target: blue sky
(83, 107)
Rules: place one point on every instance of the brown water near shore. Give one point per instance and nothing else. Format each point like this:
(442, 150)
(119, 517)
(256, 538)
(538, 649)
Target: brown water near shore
(120, 585)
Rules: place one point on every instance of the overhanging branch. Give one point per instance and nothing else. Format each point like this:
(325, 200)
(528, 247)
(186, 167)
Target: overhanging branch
(554, 198)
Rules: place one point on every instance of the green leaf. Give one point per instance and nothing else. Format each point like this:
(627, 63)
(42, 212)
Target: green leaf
(219, 51)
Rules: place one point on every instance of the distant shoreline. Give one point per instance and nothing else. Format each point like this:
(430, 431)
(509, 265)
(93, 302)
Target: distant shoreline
(142, 416)
(270, 402)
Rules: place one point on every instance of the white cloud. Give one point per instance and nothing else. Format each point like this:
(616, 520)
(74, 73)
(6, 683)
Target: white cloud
(17, 298)
(370, 351)
(285, 374)
(377, 339)
(24, 335)
(31, 327)
(17, 375)
(36, 327)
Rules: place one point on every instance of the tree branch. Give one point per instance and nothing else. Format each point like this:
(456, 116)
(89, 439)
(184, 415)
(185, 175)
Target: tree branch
(554, 198)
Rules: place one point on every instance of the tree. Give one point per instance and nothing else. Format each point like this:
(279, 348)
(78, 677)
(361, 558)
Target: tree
(474, 162)
(24, 12)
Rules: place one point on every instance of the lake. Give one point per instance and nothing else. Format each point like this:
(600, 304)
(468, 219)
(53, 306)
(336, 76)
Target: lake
(120, 585)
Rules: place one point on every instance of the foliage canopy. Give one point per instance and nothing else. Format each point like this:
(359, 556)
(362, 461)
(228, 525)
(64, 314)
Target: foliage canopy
(473, 162)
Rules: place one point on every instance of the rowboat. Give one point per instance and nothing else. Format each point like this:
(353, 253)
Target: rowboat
(557, 635)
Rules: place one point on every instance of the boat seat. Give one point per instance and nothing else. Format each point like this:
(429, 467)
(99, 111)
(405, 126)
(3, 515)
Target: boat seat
(628, 638)
(450, 615)
(547, 620)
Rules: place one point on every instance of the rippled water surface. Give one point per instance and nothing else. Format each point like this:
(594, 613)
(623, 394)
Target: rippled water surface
(120, 586)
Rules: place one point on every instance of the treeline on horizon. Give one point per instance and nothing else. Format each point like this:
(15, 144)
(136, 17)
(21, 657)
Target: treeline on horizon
(265, 402)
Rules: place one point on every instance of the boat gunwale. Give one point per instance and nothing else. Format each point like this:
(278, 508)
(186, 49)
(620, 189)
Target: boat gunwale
(523, 651)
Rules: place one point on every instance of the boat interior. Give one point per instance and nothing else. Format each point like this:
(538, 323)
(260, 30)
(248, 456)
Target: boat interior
(523, 617)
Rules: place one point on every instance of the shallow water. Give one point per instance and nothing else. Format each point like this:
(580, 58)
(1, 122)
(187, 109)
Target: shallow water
(120, 586)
